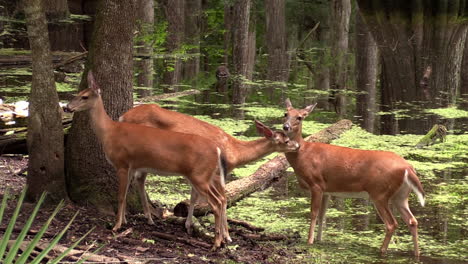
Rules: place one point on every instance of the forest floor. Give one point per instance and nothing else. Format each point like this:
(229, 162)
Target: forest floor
(136, 242)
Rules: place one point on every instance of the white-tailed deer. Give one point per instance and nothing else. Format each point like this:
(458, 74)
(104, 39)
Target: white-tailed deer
(236, 152)
(339, 171)
(135, 149)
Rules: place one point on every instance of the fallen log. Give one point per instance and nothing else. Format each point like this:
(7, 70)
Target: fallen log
(265, 175)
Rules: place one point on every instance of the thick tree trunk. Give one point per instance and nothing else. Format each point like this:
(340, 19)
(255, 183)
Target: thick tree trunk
(144, 67)
(277, 63)
(341, 13)
(193, 14)
(464, 79)
(240, 53)
(45, 134)
(174, 11)
(56, 9)
(366, 77)
(90, 178)
(410, 38)
(265, 175)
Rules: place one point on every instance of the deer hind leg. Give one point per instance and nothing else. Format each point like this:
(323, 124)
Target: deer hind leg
(217, 207)
(219, 191)
(140, 178)
(390, 223)
(402, 205)
(122, 175)
(321, 216)
(316, 199)
(193, 201)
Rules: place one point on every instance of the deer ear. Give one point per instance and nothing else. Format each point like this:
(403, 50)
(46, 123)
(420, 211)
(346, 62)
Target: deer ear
(92, 83)
(288, 104)
(309, 108)
(263, 130)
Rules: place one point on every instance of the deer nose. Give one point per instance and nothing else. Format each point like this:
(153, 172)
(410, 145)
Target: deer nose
(67, 109)
(286, 127)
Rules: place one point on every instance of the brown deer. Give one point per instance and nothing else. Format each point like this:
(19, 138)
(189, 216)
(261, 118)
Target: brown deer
(236, 152)
(339, 171)
(135, 150)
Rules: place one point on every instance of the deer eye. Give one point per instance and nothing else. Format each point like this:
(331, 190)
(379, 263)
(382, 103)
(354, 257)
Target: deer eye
(285, 114)
(299, 118)
(84, 97)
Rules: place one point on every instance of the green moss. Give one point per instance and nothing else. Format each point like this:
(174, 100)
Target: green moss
(450, 112)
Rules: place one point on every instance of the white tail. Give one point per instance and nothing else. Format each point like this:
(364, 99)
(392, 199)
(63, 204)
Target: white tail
(415, 189)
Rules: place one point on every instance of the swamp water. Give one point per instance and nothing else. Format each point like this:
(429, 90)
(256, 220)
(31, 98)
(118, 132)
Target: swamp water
(354, 233)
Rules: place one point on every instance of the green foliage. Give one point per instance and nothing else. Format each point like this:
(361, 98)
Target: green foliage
(449, 112)
(8, 256)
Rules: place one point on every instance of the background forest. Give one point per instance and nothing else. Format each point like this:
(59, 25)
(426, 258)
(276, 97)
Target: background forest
(394, 68)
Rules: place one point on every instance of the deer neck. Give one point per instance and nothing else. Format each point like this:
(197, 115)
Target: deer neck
(100, 120)
(247, 151)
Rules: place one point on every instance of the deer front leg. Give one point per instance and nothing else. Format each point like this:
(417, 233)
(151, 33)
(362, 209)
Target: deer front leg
(193, 201)
(321, 216)
(316, 199)
(140, 178)
(122, 175)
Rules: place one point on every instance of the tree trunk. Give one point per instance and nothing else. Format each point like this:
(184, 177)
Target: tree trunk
(56, 9)
(90, 178)
(174, 11)
(464, 79)
(275, 37)
(228, 34)
(366, 77)
(411, 38)
(193, 12)
(45, 134)
(240, 53)
(341, 13)
(144, 67)
(265, 175)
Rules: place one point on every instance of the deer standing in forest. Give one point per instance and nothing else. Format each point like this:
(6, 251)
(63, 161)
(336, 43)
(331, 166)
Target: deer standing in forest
(236, 152)
(345, 172)
(135, 150)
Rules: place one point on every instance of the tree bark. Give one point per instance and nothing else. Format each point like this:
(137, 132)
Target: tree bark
(412, 37)
(265, 175)
(278, 62)
(464, 79)
(193, 12)
(240, 53)
(90, 178)
(144, 66)
(341, 13)
(366, 77)
(45, 134)
(56, 9)
(174, 12)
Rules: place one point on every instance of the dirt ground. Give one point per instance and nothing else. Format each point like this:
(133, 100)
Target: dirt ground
(136, 242)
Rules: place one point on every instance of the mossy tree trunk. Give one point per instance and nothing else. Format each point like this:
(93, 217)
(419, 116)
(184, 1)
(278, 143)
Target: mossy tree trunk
(45, 134)
(193, 13)
(366, 77)
(341, 14)
(240, 49)
(278, 61)
(90, 178)
(144, 66)
(174, 13)
(413, 36)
